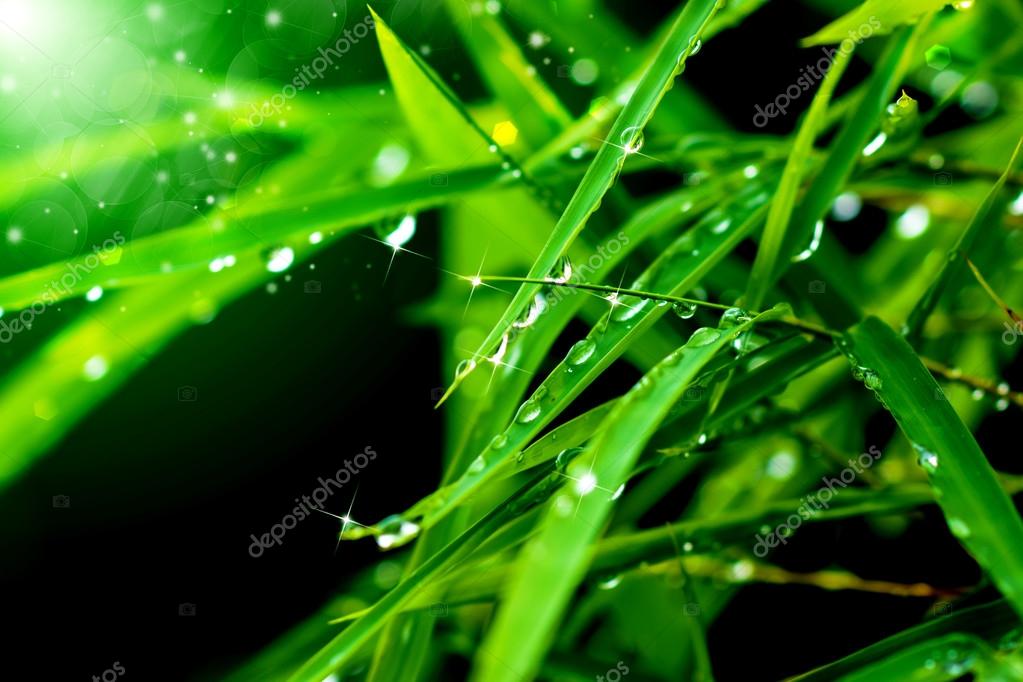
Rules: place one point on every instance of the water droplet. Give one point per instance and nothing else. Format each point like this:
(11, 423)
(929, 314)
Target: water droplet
(464, 368)
(1002, 388)
(684, 309)
(278, 258)
(978, 394)
(565, 457)
(395, 531)
(397, 234)
(694, 46)
(631, 139)
(95, 368)
(581, 351)
(625, 308)
(94, 294)
(1001, 405)
(875, 144)
(815, 242)
(926, 459)
(610, 583)
(536, 308)
(871, 380)
(528, 412)
(959, 528)
(562, 271)
(721, 226)
(618, 493)
(478, 465)
(498, 441)
(733, 317)
(703, 336)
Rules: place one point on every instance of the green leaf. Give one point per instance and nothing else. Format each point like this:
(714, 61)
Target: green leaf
(626, 134)
(772, 239)
(874, 18)
(982, 225)
(976, 508)
(551, 565)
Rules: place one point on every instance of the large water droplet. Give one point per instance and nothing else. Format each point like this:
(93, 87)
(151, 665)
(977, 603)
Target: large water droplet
(631, 139)
(395, 531)
(463, 369)
(684, 309)
(528, 412)
(703, 336)
(498, 441)
(565, 457)
(733, 317)
(536, 308)
(581, 351)
(478, 465)
(562, 271)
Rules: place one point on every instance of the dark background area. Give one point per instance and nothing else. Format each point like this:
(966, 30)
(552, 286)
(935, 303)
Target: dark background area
(164, 494)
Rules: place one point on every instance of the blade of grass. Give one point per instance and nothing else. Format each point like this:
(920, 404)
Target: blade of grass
(977, 510)
(551, 565)
(983, 222)
(624, 138)
(679, 268)
(847, 148)
(773, 236)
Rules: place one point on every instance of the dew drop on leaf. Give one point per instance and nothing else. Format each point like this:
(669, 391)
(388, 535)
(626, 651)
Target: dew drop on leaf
(581, 351)
(684, 309)
(703, 336)
(528, 412)
(395, 531)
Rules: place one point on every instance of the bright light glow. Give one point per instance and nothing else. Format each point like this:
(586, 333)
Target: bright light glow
(280, 259)
(180, 56)
(17, 14)
(316, 238)
(914, 222)
(15, 234)
(847, 206)
(475, 281)
(95, 368)
(586, 484)
(403, 233)
(1016, 207)
(94, 294)
(875, 144)
(273, 18)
